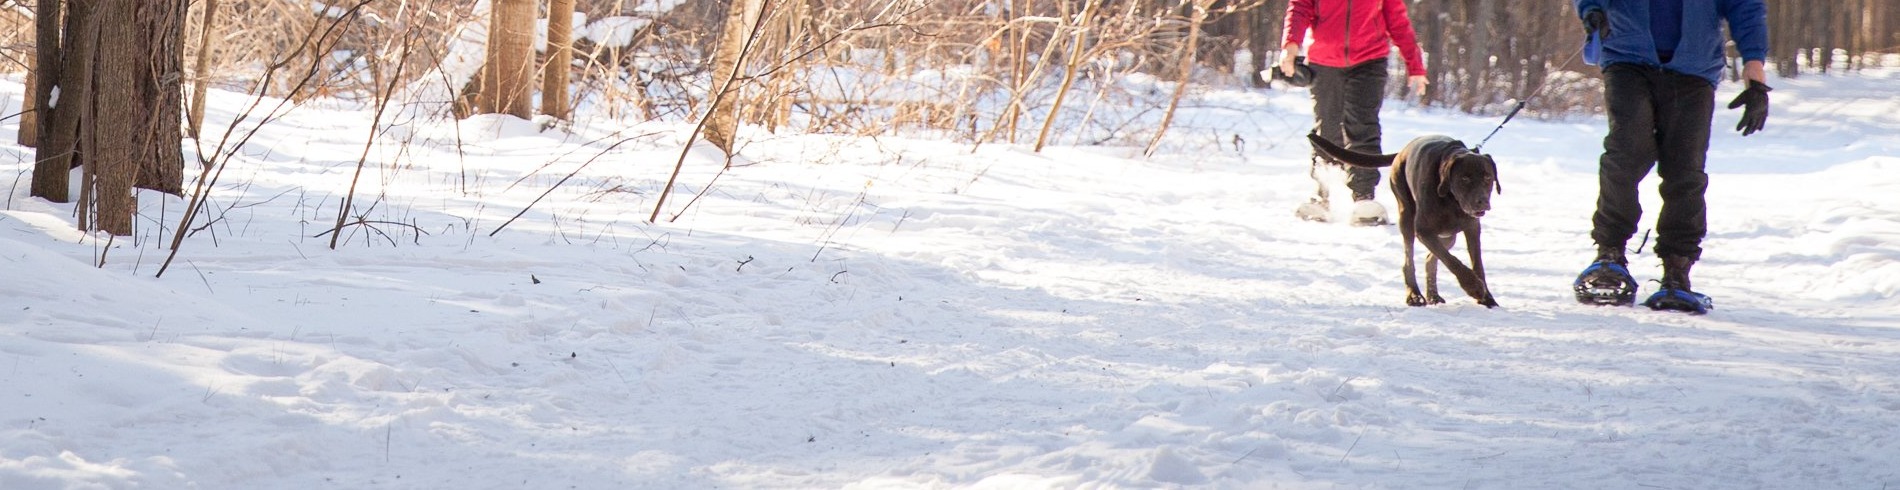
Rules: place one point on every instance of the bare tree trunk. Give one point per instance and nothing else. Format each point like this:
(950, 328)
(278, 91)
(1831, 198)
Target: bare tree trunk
(159, 30)
(508, 84)
(1434, 52)
(29, 115)
(1263, 38)
(1478, 66)
(722, 114)
(115, 116)
(560, 56)
(201, 78)
(66, 68)
(1019, 63)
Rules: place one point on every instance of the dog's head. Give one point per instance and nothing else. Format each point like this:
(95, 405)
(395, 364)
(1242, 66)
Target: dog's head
(1469, 179)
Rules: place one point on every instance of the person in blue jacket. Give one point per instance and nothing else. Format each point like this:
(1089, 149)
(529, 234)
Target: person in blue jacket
(1661, 62)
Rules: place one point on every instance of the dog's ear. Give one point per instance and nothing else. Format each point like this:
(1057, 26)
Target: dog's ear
(1444, 174)
(1495, 180)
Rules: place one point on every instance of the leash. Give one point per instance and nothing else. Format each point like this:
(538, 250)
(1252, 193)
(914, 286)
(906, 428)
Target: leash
(1520, 105)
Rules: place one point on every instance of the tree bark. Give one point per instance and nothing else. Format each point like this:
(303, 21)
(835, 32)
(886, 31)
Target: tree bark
(29, 135)
(159, 31)
(508, 87)
(66, 68)
(1434, 47)
(560, 55)
(722, 114)
(1478, 65)
(115, 115)
(201, 76)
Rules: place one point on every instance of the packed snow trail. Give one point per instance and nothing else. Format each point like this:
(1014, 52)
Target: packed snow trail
(902, 313)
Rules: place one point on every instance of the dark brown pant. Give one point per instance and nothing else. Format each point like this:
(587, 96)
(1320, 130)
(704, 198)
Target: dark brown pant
(1658, 119)
(1346, 112)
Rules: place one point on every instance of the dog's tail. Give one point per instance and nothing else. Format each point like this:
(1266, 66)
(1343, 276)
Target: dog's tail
(1335, 153)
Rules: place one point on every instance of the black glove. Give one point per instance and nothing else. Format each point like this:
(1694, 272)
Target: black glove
(1755, 116)
(1595, 21)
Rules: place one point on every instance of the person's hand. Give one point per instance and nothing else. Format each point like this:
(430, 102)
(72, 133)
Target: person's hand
(1754, 102)
(1418, 83)
(1753, 70)
(1286, 58)
(1596, 22)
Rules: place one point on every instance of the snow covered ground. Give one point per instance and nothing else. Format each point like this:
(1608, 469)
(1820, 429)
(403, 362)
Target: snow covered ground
(900, 313)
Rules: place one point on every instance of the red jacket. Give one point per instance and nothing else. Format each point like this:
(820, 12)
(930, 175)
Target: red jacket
(1350, 32)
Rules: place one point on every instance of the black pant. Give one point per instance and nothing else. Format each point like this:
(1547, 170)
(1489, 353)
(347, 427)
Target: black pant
(1346, 112)
(1659, 119)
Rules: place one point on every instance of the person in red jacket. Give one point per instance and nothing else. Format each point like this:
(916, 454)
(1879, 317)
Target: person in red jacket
(1351, 40)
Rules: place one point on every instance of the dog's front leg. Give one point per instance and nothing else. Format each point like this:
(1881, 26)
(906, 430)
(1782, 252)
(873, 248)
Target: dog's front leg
(1408, 234)
(1468, 280)
(1431, 273)
(1474, 246)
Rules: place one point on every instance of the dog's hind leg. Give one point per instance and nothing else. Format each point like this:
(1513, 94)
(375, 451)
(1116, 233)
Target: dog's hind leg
(1408, 233)
(1468, 280)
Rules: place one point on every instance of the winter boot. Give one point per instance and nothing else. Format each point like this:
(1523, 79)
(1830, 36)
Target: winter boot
(1367, 212)
(1675, 293)
(1607, 280)
(1315, 209)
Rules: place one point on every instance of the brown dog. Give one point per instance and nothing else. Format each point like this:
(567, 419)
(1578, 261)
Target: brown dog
(1442, 189)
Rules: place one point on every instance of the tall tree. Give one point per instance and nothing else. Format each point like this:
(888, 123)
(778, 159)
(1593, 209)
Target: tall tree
(508, 79)
(722, 114)
(29, 134)
(200, 75)
(158, 72)
(115, 66)
(65, 37)
(560, 55)
(115, 158)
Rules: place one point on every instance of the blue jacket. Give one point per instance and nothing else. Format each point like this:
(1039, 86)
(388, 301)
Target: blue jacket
(1700, 50)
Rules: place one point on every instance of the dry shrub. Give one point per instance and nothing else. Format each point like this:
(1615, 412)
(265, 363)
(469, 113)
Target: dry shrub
(350, 47)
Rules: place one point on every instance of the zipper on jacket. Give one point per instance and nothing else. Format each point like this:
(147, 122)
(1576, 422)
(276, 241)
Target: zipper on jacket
(1346, 47)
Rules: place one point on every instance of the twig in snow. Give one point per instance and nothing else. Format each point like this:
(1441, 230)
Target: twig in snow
(564, 179)
(623, 377)
(900, 221)
(1355, 443)
(102, 251)
(1335, 394)
(201, 275)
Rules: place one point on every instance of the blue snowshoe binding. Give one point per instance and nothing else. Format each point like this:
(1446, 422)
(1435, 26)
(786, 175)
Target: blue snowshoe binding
(1675, 294)
(1606, 281)
(1680, 300)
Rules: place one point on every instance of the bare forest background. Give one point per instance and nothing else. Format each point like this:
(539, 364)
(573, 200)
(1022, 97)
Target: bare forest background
(979, 71)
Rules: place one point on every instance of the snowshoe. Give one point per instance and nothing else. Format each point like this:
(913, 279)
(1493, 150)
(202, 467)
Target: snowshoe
(1314, 210)
(1680, 300)
(1367, 212)
(1606, 283)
